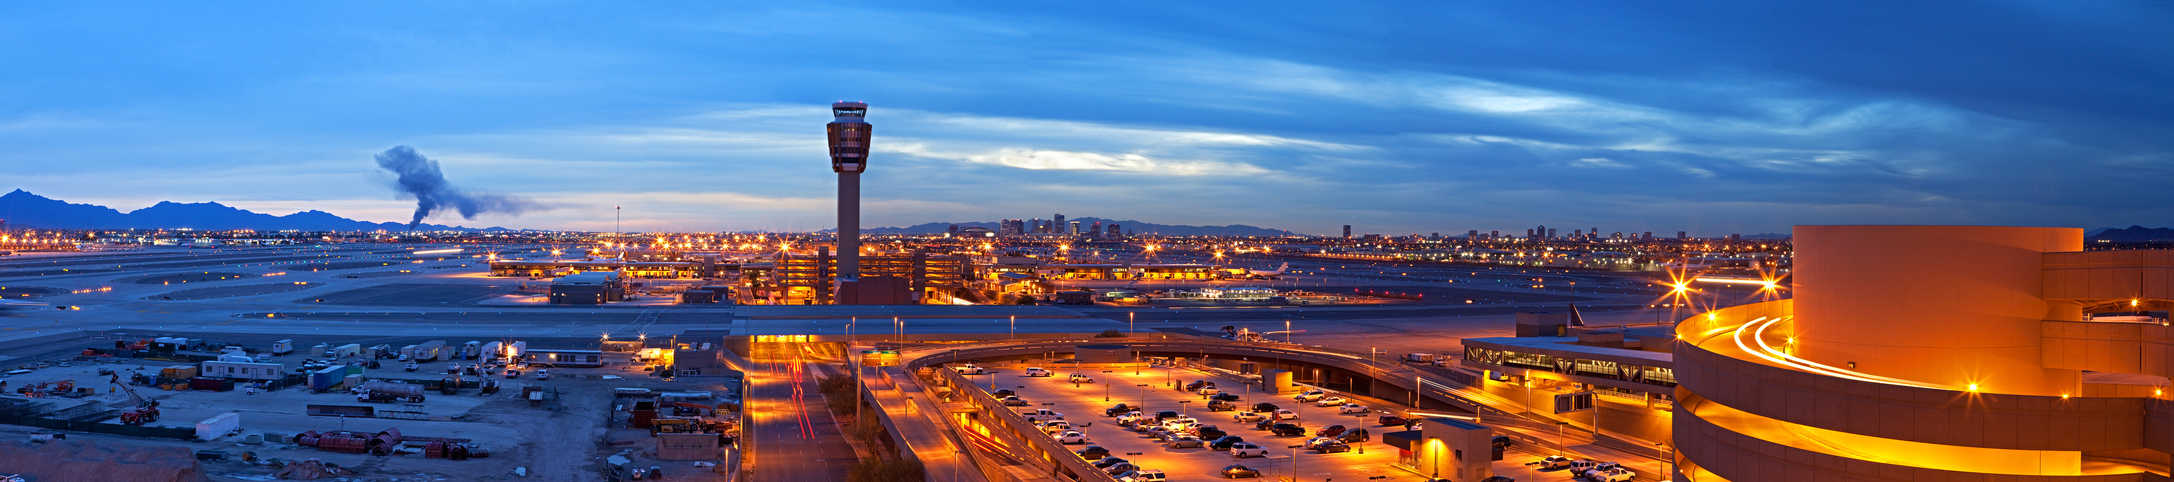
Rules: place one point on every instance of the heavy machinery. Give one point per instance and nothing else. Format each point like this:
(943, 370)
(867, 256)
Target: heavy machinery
(143, 411)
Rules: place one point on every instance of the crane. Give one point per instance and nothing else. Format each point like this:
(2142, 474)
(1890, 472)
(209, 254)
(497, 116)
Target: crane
(143, 411)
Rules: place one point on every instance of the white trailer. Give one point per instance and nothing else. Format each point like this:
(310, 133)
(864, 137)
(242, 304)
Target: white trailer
(429, 351)
(243, 370)
(282, 347)
(344, 351)
(218, 426)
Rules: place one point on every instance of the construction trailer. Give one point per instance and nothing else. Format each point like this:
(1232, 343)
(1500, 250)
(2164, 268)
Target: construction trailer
(243, 370)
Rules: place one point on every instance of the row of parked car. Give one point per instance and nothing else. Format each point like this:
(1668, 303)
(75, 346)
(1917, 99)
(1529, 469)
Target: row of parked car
(1583, 469)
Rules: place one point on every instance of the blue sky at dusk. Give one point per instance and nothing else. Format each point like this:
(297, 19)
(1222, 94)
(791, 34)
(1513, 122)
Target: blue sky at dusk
(1403, 117)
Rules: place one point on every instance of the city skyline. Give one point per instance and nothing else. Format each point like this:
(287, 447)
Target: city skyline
(1741, 118)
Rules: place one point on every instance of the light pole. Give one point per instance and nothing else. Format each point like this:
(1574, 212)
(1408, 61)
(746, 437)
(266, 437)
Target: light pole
(1015, 327)
(853, 360)
(1129, 341)
(1287, 332)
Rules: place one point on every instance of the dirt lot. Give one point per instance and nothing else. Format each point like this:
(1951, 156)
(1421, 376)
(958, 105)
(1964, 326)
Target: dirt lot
(562, 439)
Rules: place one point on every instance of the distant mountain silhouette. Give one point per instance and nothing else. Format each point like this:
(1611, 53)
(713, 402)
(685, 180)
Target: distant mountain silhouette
(22, 209)
(1130, 227)
(2134, 234)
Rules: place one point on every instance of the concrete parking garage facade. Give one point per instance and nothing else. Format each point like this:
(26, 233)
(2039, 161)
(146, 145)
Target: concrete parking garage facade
(1934, 353)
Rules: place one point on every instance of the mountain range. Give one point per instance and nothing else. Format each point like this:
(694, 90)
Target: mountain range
(1130, 226)
(22, 209)
(2133, 234)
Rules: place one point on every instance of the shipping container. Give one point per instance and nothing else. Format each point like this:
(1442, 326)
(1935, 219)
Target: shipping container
(327, 379)
(282, 347)
(211, 384)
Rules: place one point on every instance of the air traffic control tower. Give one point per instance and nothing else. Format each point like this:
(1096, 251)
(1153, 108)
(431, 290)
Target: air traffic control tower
(849, 134)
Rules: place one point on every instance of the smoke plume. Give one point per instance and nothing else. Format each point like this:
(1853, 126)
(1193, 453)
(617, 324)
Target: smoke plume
(419, 177)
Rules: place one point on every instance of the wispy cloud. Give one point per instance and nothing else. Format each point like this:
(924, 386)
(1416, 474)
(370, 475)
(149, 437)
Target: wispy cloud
(1599, 163)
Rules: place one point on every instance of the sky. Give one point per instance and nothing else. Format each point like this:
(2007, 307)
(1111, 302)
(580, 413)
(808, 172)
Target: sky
(1393, 117)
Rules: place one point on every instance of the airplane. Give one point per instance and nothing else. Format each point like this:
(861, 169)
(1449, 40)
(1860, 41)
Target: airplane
(11, 304)
(1267, 273)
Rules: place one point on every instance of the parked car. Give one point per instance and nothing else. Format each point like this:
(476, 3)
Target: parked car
(1310, 395)
(1209, 432)
(543, 374)
(1159, 433)
(1120, 468)
(1106, 461)
(1246, 416)
(1014, 401)
(1287, 430)
(1552, 462)
(1617, 474)
(1072, 437)
(1094, 453)
(512, 373)
(1247, 449)
(1330, 401)
(1166, 415)
(1224, 442)
(1043, 413)
(1579, 466)
(1265, 407)
(1003, 392)
(1388, 420)
(1186, 442)
(1196, 384)
(1328, 446)
(411, 366)
(1285, 415)
(1038, 372)
(1142, 475)
(969, 369)
(1220, 406)
(1227, 397)
(1329, 431)
(1351, 409)
(1235, 471)
(1263, 424)
(1356, 435)
(1081, 378)
(1115, 410)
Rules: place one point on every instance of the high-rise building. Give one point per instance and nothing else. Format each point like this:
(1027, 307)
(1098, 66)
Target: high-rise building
(1347, 231)
(1472, 234)
(1094, 230)
(1074, 228)
(1056, 224)
(1577, 234)
(1550, 233)
(1115, 233)
(1682, 235)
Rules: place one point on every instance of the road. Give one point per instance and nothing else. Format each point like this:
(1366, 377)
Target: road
(794, 436)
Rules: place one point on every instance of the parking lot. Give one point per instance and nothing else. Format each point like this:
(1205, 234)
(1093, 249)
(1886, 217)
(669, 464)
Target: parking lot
(1083, 405)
